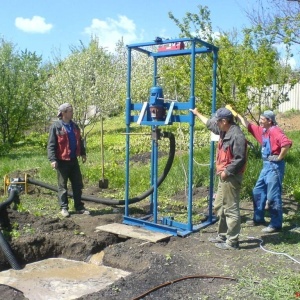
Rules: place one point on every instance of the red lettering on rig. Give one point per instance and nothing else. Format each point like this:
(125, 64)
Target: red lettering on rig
(170, 47)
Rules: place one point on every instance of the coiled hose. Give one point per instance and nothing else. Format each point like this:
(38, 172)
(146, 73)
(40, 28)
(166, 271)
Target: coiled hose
(132, 200)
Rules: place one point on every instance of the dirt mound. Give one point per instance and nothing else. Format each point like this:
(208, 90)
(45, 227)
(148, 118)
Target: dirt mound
(288, 122)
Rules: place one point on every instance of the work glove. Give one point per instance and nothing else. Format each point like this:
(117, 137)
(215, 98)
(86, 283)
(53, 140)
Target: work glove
(228, 106)
(273, 158)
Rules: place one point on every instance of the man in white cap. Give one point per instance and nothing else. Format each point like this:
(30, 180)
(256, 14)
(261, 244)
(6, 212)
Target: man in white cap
(268, 188)
(64, 146)
(230, 166)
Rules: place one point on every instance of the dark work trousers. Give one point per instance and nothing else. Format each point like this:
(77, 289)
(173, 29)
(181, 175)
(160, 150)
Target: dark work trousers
(69, 170)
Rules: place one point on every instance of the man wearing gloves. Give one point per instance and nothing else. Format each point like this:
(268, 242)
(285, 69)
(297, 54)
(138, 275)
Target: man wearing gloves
(230, 166)
(64, 146)
(268, 187)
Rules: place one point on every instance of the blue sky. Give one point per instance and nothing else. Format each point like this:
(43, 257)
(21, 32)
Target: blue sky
(52, 26)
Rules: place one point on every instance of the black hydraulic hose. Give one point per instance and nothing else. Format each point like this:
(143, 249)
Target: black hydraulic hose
(8, 253)
(10, 199)
(132, 200)
(3, 243)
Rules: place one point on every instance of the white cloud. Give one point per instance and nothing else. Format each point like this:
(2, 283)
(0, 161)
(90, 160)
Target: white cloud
(110, 31)
(35, 25)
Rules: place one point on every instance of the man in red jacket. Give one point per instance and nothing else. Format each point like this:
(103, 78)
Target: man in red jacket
(64, 146)
(230, 166)
(268, 187)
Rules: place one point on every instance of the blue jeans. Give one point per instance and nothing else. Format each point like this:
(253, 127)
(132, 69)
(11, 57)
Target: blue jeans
(269, 187)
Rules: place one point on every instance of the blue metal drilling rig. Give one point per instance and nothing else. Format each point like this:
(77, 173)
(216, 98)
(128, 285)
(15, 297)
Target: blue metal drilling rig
(158, 112)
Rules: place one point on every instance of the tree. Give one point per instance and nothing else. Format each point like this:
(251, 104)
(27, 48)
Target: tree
(21, 78)
(248, 66)
(141, 72)
(277, 18)
(89, 80)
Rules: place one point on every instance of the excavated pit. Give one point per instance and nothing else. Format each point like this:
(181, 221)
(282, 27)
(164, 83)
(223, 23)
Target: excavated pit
(59, 258)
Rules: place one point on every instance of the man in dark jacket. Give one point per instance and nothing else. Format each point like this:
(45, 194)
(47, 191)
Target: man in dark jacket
(64, 146)
(230, 166)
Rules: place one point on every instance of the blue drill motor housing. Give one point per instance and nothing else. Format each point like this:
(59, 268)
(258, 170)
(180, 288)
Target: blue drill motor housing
(156, 101)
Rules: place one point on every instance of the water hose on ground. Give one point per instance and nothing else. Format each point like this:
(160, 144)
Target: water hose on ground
(13, 197)
(180, 279)
(132, 200)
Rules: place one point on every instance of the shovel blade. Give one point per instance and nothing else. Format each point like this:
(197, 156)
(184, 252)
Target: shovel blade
(103, 183)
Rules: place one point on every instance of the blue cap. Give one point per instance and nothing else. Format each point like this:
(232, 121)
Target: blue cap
(223, 113)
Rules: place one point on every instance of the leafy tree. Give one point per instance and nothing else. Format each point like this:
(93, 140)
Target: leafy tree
(21, 78)
(142, 76)
(89, 80)
(141, 72)
(248, 66)
(277, 18)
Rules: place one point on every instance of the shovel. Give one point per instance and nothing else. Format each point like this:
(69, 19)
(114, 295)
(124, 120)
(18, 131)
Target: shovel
(103, 183)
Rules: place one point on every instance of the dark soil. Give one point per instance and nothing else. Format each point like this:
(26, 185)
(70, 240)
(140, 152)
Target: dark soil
(177, 268)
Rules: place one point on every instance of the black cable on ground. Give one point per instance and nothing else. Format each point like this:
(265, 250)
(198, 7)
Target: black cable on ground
(132, 200)
(177, 280)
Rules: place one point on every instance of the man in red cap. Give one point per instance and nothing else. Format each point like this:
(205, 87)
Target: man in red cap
(230, 166)
(64, 146)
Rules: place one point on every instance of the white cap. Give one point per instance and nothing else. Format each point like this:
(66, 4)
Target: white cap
(62, 108)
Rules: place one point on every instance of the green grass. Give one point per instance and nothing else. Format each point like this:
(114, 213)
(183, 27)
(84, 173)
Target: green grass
(283, 284)
(31, 157)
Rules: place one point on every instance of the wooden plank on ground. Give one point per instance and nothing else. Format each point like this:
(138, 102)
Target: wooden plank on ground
(133, 232)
